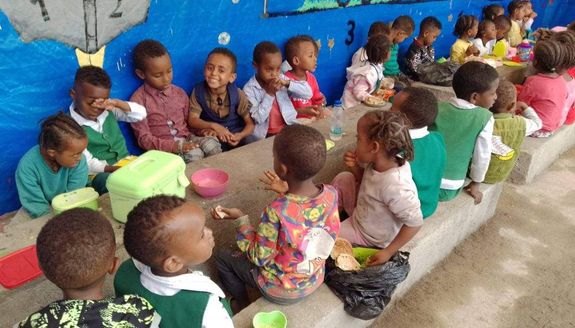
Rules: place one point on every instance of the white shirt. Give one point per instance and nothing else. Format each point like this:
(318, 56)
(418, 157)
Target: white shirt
(486, 49)
(532, 121)
(215, 314)
(359, 57)
(137, 113)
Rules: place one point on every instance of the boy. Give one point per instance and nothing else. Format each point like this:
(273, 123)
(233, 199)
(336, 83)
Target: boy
(269, 91)
(301, 55)
(285, 255)
(509, 131)
(401, 29)
(76, 250)
(467, 127)
(502, 27)
(165, 235)
(428, 165)
(421, 50)
(376, 28)
(98, 115)
(217, 106)
(165, 128)
(516, 14)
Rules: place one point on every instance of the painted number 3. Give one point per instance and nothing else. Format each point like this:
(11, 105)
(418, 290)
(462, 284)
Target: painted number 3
(350, 32)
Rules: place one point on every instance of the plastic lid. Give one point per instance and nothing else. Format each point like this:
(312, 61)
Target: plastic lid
(337, 102)
(19, 267)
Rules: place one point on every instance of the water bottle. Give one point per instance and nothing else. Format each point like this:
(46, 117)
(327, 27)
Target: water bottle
(336, 130)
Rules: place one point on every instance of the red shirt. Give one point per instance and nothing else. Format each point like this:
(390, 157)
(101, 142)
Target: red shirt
(316, 98)
(277, 122)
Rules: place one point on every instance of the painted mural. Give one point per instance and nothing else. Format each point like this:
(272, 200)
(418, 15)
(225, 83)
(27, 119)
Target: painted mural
(42, 42)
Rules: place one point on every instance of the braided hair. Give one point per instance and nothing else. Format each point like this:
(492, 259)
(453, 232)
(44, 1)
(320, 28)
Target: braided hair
(549, 56)
(464, 23)
(56, 129)
(391, 131)
(567, 39)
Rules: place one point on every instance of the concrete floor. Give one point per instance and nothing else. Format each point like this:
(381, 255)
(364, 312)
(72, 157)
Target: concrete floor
(516, 271)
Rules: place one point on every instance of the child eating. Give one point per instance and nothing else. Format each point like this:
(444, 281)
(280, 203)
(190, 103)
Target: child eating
(465, 30)
(421, 50)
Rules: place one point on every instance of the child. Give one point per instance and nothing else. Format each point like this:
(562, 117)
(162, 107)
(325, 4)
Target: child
(217, 105)
(269, 91)
(421, 51)
(502, 27)
(385, 212)
(492, 11)
(546, 91)
(401, 29)
(363, 80)
(516, 14)
(301, 55)
(467, 127)
(509, 131)
(165, 236)
(165, 127)
(486, 37)
(567, 39)
(76, 250)
(285, 255)
(529, 16)
(419, 105)
(376, 28)
(465, 30)
(98, 115)
(55, 166)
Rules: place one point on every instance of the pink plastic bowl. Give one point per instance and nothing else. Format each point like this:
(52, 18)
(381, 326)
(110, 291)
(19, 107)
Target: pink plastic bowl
(210, 182)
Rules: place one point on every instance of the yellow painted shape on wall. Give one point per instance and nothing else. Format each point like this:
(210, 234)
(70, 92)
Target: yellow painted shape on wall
(96, 59)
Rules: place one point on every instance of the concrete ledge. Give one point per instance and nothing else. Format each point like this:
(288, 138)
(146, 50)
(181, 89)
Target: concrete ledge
(537, 154)
(449, 226)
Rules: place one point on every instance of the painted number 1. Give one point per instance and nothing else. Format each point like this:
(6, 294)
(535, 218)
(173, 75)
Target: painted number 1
(43, 8)
(116, 13)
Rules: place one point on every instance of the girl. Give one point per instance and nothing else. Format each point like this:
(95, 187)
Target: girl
(465, 30)
(486, 37)
(385, 212)
(56, 165)
(364, 79)
(567, 39)
(492, 11)
(546, 91)
(516, 14)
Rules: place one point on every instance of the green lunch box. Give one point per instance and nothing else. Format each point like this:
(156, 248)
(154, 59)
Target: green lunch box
(153, 173)
(83, 197)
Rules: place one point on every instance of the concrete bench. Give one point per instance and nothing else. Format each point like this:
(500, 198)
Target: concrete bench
(537, 154)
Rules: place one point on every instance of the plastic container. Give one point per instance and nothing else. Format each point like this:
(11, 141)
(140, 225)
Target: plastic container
(361, 254)
(83, 197)
(500, 49)
(153, 173)
(210, 182)
(19, 267)
(336, 129)
(274, 319)
(524, 51)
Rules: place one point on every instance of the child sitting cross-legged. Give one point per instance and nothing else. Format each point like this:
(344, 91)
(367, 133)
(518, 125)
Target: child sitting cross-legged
(166, 236)
(465, 30)
(381, 198)
(284, 256)
(217, 106)
(165, 128)
(76, 250)
(421, 50)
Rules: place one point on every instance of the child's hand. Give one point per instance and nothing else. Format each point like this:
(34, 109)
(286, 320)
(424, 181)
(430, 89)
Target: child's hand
(208, 133)
(234, 139)
(222, 133)
(310, 111)
(274, 183)
(533, 15)
(230, 213)
(350, 159)
(379, 258)
(472, 50)
(187, 146)
(282, 83)
(473, 190)
(520, 107)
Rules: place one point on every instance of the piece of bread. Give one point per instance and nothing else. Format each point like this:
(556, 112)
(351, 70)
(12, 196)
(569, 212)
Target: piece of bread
(373, 100)
(342, 246)
(221, 214)
(347, 262)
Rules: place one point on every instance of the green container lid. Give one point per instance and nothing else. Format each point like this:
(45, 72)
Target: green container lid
(83, 197)
(274, 319)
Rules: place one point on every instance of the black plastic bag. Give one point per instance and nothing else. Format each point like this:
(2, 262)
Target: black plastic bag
(437, 73)
(365, 293)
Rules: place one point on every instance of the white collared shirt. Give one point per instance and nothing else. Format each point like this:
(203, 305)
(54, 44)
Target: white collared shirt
(418, 133)
(137, 113)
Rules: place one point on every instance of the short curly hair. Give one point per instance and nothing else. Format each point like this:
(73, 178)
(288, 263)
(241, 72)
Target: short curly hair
(263, 48)
(227, 53)
(301, 149)
(378, 28)
(403, 23)
(419, 106)
(506, 95)
(377, 49)
(391, 131)
(473, 77)
(145, 234)
(93, 75)
(429, 23)
(147, 49)
(75, 248)
(292, 46)
(490, 12)
(464, 23)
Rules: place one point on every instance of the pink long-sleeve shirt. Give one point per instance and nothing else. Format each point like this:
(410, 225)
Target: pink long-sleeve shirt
(547, 96)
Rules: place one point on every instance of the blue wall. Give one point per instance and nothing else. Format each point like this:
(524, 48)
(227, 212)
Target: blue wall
(36, 76)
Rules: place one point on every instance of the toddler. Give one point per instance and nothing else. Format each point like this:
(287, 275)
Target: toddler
(502, 28)
(376, 28)
(76, 250)
(401, 29)
(217, 106)
(98, 115)
(165, 127)
(465, 30)
(509, 131)
(363, 80)
(492, 11)
(419, 105)
(385, 212)
(269, 92)
(166, 236)
(467, 128)
(529, 16)
(421, 50)
(486, 37)
(516, 14)
(284, 255)
(55, 166)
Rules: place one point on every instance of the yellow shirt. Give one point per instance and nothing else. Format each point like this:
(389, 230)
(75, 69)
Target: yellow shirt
(514, 35)
(458, 50)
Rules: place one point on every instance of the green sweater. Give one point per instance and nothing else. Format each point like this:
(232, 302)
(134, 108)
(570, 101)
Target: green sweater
(108, 145)
(392, 66)
(511, 129)
(427, 170)
(37, 184)
(460, 129)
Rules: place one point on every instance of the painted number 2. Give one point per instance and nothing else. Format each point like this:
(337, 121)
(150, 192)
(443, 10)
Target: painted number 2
(42, 8)
(351, 32)
(116, 13)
